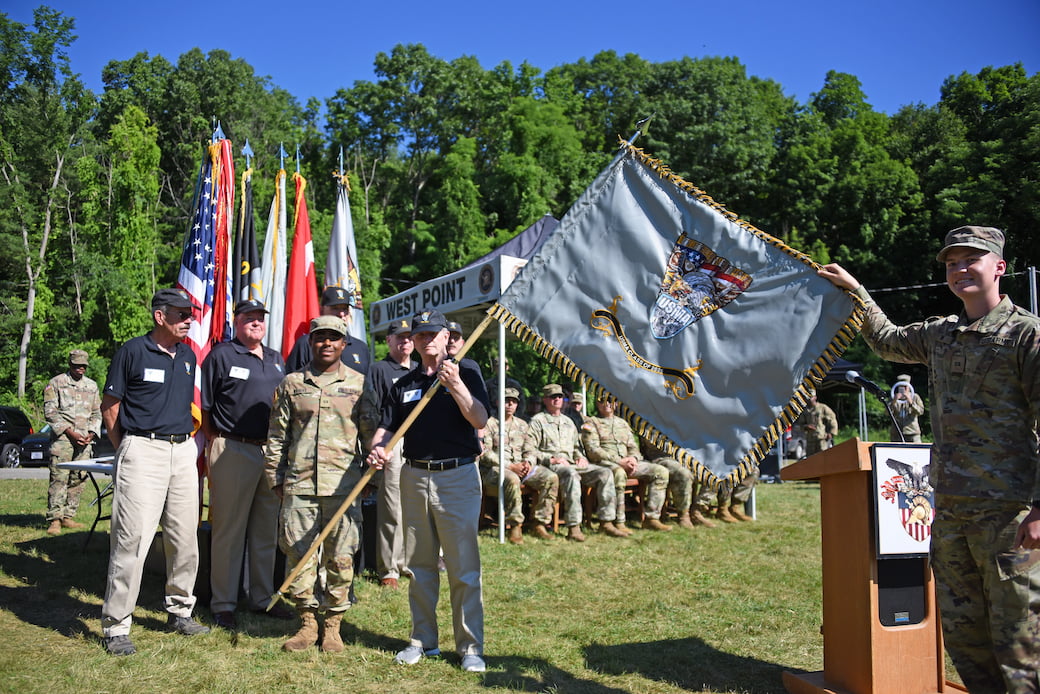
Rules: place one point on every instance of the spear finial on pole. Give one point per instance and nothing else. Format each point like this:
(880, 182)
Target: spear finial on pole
(247, 152)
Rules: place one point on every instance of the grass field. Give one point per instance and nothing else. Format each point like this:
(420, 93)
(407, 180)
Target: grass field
(723, 610)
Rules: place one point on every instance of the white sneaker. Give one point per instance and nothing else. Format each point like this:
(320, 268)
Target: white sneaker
(473, 663)
(413, 654)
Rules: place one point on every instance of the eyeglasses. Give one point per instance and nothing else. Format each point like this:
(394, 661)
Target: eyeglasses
(553, 397)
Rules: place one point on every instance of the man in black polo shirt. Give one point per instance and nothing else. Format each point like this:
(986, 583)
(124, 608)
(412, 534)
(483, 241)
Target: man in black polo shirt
(238, 382)
(335, 301)
(381, 377)
(147, 410)
(440, 490)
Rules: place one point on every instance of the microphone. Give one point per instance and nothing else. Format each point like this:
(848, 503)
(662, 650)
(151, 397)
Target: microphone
(874, 388)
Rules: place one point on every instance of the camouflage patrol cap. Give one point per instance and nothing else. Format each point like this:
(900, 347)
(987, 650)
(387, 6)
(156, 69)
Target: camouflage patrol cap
(552, 389)
(337, 296)
(577, 398)
(513, 393)
(333, 323)
(982, 238)
(78, 357)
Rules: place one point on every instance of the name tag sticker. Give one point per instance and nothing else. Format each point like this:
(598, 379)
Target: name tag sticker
(239, 372)
(154, 375)
(411, 395)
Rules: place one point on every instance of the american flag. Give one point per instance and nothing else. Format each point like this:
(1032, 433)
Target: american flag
(204, 272)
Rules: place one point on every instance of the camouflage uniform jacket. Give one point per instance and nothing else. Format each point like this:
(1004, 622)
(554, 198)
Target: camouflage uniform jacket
(72, 404)
(984, 378)
(608, 440)
(906, 413)
(516, 435)
(823, 418)
(312, 435)
(548, 436)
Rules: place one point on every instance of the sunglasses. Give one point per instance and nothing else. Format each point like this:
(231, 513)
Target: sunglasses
(181, 315)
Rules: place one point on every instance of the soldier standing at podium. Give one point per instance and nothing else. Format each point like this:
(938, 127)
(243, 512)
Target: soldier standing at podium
(984, 366)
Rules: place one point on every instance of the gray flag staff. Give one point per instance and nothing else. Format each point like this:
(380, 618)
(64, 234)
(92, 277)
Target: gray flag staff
(398, 435)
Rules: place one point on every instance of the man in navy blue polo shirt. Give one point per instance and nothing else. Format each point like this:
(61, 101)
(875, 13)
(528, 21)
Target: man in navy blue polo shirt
(238, 382)
(147, 409)
(335, 301)
(440, 490)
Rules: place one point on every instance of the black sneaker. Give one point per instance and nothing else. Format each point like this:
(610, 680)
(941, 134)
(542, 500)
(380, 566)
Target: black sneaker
(119, 645)
(186, 626)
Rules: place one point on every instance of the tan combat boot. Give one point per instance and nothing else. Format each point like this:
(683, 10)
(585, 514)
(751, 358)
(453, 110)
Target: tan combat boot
(54, 528)
(307, 636)
(608, 528)
(725, 516)
(655, 524)
(574, 534)
(539, 531)
(685, 522)
(737, 511)
(516, 534)
(330, 638)
(699, 518)
(69, 523)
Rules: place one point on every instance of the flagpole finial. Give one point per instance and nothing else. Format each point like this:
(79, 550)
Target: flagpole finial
(218, 132)
(642, 127)
(247, 152)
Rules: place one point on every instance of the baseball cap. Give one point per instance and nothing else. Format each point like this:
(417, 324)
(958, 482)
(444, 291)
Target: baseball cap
(402, 325)
(174, 298)
(247, 305)
(428, 322)
(454, 327)
(982, 238)
(334, 296)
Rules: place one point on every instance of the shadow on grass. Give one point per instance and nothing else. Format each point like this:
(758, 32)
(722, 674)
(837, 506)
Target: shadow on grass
(538, 675)
(689, 664)
(65, 584)
(24, 520)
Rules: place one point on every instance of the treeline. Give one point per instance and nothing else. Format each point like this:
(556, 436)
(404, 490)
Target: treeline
(448, 159)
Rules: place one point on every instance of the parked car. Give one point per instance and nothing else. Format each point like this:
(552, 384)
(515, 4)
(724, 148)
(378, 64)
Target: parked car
(794, 443)
(14, 427)
(36, 448)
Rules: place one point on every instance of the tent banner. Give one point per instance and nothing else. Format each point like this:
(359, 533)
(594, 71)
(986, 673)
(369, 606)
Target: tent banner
(707, 330)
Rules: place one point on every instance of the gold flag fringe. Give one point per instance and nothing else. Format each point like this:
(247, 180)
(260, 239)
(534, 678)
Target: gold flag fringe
(790, 412)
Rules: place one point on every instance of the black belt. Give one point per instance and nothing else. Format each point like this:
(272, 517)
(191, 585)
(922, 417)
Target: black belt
(242, 439)
(442, 464)
(171, 438)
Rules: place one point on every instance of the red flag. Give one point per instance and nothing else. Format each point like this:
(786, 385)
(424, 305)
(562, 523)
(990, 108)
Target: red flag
(301, 288)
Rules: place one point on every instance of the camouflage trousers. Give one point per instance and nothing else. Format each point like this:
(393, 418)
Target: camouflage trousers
(815, 445)
(740, 492)
(987, 594)
(573, 479)
(66, 486)
(301, 521)
(680, 483)
(541, 480)
(654, 476)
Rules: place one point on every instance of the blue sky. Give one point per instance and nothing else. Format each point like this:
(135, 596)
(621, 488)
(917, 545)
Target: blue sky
(900, 50)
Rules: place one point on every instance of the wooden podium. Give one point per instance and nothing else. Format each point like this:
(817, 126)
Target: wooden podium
(860, 654)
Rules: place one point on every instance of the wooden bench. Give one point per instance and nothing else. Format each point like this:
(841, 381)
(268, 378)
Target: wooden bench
(489, 501)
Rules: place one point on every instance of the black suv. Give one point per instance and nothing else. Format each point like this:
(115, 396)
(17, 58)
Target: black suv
(14, 426)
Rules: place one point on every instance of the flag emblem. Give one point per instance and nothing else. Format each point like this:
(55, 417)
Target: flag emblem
(696, 283)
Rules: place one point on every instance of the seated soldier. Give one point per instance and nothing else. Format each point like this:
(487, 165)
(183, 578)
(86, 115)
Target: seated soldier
(540, 479)
(680, 481)
(609, 441)
(552, 441)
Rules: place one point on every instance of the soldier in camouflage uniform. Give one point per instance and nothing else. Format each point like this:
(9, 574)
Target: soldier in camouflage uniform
(72, 406)
(680, 483)
(984, 376)
(552, 441)
(609, 441)
(542, 480)
(906, 407)
(310, 463)
(820, 425)
(732, 500)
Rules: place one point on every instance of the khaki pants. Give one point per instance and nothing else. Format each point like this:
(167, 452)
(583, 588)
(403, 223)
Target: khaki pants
(389, 531)
(243, 512)
(154, 483)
